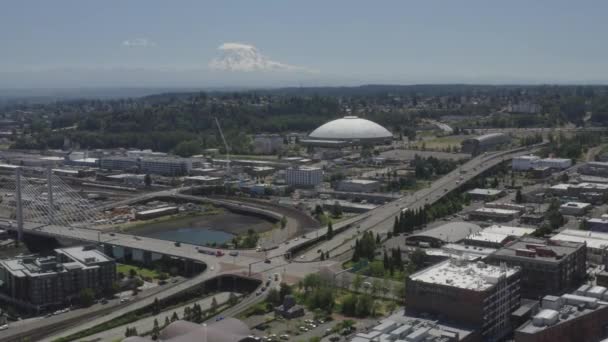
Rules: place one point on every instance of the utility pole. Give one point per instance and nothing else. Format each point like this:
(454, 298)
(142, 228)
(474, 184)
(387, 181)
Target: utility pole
(49, 177)
(19, 205)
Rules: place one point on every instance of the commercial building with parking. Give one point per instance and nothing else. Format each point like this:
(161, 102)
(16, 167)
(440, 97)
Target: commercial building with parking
(572, 317)
(548, 266)
(39, 283)
(489, 293)
(304, 176)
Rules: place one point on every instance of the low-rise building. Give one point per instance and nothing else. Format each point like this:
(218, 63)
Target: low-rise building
(493, 214)
(554, 163)
(548, 266)
(506, 205)
(524, 163)
(165, 166)
(596, 242)
(483, 143)
(497, 236)
(489, 294)
(574, 208)
(304, 176)
(358, 185)
(37, 283)
(485, 194)
(157, 212)
(129, 179)
(202, 180)
(582, 316)
(450, 232)
(594, 168)
(118, 163)
(597, 224)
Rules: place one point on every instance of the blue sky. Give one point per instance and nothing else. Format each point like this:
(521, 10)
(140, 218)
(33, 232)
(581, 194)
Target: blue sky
(172, 43)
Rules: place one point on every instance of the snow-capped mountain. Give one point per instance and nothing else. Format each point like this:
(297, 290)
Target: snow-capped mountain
(244, 57)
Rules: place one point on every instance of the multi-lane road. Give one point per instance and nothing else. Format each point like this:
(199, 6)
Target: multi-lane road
(379, 220)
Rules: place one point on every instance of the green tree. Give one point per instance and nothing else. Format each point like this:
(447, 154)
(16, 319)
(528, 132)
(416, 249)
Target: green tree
(174, 317)
(336, 210)
(349, 305)
(357, 282)
(232, 300)
(86, 297)
(213, 305)
(553, 216)
(188, 148)
(318, 211)
(418, 258)
(284, 290)
(518, 196)
(156, 307)
(148, 180)
(155, 330)
(167, 322)
(283, 222)
(273, 297)
(330, 230)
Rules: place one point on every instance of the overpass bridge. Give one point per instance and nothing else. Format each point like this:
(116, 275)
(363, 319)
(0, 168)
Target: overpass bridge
(378, 220)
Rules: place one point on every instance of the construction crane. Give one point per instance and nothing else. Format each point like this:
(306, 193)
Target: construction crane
(225, 146)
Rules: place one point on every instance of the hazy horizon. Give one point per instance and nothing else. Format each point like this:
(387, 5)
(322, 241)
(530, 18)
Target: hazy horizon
(205, 44)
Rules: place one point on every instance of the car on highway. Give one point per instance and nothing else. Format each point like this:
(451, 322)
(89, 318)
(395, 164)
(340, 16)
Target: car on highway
(178, 244)
(3, 326)
(285, 337)
(234, 253)
(104, 301)
(267, 261)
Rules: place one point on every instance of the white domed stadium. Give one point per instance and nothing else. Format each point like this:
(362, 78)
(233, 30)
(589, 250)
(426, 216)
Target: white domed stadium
(352, 129)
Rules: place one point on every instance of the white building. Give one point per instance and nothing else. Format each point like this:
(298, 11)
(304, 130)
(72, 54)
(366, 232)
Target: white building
(524, 163)
(597, 243)
(497, 236)
(524, 108)
(144, 153)
(574, 208)
(358, 185)
(554, 163)
(493, 214)
(118, 163)
(166, 166)
(304, 176)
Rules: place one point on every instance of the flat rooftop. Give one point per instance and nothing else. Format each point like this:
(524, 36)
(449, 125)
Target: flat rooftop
(485, 192)
(156, 210)
(563, 309)
(360, 181)
(449, 232)
(594, 240)
(498, 234)
(84, 255)
(555, 250)
(496, 211)
(578, 205)
(475, 276)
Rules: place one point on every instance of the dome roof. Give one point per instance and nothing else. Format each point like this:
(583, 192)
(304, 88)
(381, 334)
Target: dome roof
(351, 128)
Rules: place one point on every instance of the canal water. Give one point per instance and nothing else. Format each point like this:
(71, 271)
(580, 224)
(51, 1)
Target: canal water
(204, 229)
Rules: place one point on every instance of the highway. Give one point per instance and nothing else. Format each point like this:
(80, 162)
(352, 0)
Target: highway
(379, 220)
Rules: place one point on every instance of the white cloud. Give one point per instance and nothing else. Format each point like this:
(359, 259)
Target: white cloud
(138, 42)
(245, 57)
